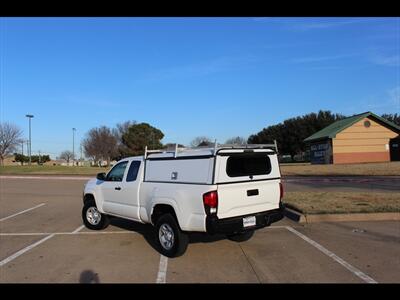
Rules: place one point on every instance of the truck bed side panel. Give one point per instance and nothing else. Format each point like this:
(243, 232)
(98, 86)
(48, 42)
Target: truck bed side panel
(185, 198)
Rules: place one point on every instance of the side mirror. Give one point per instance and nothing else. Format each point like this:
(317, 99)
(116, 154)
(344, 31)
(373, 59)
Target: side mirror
(101, 176)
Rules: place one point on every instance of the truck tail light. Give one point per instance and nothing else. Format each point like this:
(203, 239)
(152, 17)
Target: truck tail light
(210, 201)
(280, 191)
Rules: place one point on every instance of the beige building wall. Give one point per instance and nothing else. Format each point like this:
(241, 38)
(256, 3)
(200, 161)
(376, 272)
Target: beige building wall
(359, 143)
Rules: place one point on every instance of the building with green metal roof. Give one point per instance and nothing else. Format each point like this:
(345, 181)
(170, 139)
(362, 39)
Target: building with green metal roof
(364, 137)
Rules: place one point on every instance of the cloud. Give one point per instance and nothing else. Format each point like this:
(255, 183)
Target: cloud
(289, 45)
(324, 68)
(394, 95)
(386, 60)
(308, 24)
(321, 58)
(217, 65)
(390, 102)
(261, 19)
(79, 101)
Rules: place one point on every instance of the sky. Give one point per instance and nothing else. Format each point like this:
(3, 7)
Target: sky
(215, 77)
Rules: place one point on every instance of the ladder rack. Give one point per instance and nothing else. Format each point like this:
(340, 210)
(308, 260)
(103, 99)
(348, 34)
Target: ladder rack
(273, 146)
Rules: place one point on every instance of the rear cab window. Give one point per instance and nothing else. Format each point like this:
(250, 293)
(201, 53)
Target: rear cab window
(242, 165)
(248, 164)
(133, 171)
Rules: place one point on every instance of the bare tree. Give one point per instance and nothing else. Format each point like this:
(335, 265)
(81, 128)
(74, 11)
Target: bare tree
(67, 155)
(123, 127)
(10, 137)
(119, 131)
(238, 140)
(201, 141)
(101, 144)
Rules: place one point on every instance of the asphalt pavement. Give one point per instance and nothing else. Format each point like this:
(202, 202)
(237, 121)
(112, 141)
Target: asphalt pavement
(42, 240)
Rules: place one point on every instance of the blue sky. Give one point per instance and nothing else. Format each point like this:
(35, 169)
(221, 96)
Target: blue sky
(219, 77)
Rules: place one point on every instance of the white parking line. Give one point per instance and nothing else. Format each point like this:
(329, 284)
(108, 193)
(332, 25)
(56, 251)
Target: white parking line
(162, 270)
(78, 229)
(22, 251)
(26, 249)
(336, 258)
(21, 212)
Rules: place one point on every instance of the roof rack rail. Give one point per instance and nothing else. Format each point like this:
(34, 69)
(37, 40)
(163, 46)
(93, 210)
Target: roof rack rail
(273, 146)
(175, 151)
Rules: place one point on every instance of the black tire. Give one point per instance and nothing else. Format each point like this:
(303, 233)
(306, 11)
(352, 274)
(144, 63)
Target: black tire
(180, 239)
(241, 237)
(104, 219)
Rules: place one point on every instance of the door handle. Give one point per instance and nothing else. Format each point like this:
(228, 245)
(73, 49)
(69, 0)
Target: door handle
(118, 188)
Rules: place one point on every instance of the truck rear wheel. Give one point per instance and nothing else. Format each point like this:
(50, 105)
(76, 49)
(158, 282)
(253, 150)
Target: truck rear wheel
(170, 239)
(241, 237)
(92, 218)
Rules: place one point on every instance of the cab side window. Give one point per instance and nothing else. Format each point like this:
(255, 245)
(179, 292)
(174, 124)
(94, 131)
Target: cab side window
(117, 173)
(133, 171)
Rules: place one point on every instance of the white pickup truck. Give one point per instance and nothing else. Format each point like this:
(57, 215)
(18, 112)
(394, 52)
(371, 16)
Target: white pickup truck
(224, 190)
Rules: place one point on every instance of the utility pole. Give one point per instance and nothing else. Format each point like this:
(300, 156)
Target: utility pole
(73, 146)
(22, 161)
(30, 140)
(81, 154)
(39, 157)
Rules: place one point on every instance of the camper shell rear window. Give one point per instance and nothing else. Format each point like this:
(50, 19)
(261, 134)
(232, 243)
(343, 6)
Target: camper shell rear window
(248, 164)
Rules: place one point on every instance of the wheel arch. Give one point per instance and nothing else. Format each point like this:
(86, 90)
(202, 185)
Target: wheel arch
(88, 197)
(160, 209)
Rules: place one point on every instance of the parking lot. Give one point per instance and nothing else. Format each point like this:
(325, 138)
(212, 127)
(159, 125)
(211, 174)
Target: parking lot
(42, 240)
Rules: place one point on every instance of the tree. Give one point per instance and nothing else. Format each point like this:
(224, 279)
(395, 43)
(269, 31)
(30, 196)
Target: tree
(394, 118)
(20, 158)
(101, 143)
(171, 146)
(67, 155)
(34, 158)
(119, 131)
(201, 141)
(291, 132)
(138, 136)
(236, 141)
(10, 137)
(40, 159)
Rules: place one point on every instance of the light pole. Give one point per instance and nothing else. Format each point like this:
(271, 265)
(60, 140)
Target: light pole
(22, 158)
(30, 141)
(73, 146)
(81, 157)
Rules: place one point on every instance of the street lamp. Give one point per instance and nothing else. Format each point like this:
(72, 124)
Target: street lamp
(73, 146)
(30, 141)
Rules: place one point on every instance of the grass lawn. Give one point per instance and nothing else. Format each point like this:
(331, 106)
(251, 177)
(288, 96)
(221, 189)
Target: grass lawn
(50, 170)
(306, 169)
(342, 202)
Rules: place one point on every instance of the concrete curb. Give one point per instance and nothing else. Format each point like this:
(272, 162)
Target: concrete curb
(303, 218)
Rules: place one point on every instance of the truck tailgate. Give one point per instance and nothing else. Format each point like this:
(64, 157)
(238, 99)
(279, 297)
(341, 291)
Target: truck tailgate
(247, 197)
(248, 181)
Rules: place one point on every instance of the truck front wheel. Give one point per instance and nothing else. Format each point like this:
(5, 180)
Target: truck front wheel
(170, 239)
(92, 218)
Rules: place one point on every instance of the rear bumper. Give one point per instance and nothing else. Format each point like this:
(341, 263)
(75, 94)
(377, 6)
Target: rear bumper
(235, 225)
